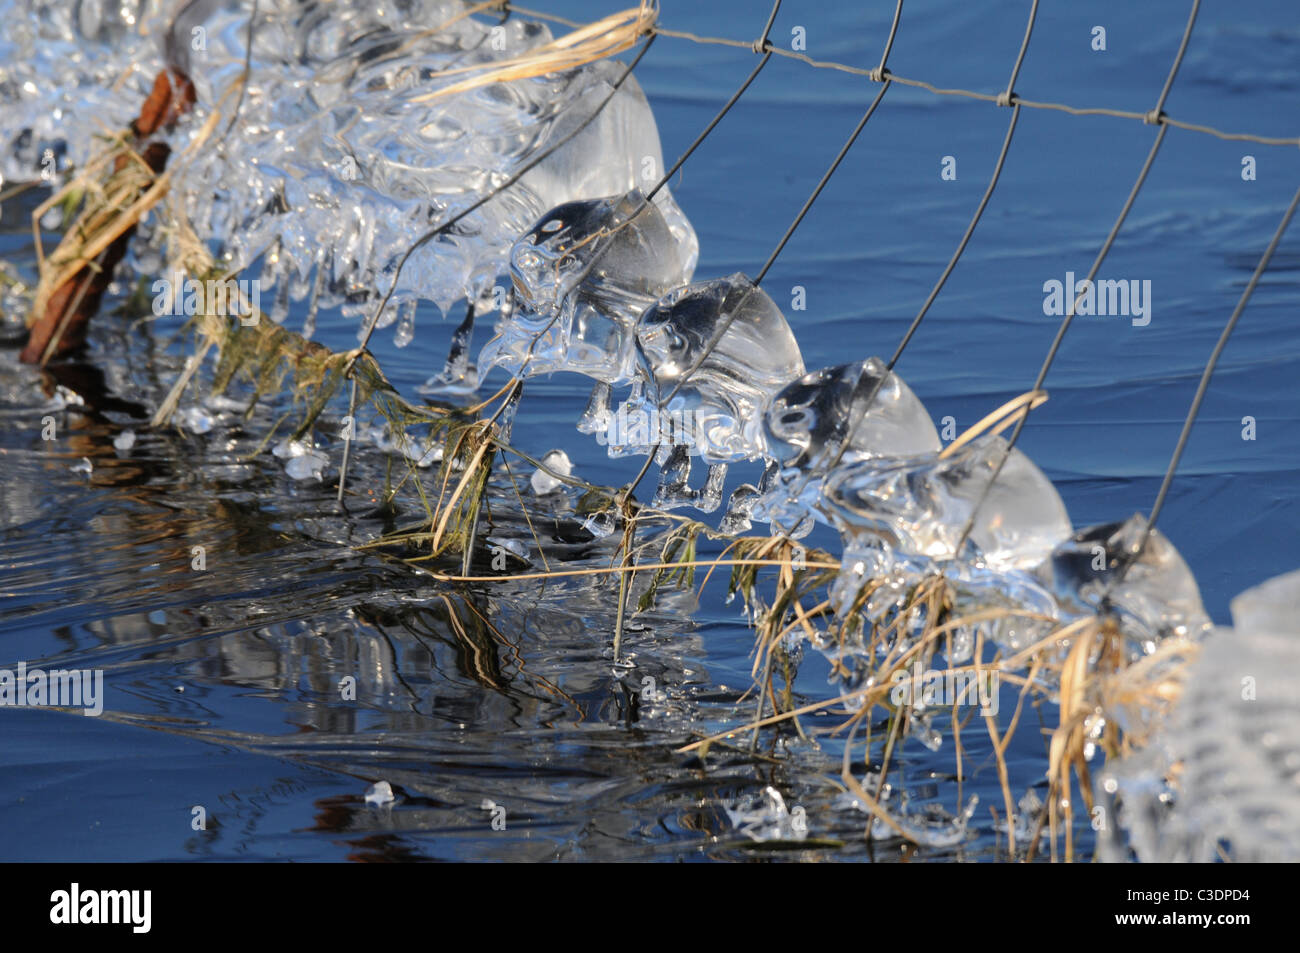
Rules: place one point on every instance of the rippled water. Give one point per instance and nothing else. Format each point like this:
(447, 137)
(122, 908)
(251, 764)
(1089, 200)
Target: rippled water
(510, 694)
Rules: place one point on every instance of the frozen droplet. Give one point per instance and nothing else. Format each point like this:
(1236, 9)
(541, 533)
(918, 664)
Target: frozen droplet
(597, 415)
(125, 440)
(307, 466)
(405, 332)
(740, 510)
(601, 524)
(83, 466)
(379, 794)
(194, 419)
(543, 482)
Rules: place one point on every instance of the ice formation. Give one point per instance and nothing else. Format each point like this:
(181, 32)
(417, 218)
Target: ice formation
(65, 68)
(345, 151)
(919, 506)
(1157, 596)
(1231, 747)
(380, 794)
(339, 159)
(836, 415)
(543, 482)
(582, 275)
(710, 356)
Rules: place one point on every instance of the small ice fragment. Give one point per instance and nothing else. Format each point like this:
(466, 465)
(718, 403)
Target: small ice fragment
(379, 794)
(422, 458)
(194, 419)
(83, 466)
(543, 482)
(601, 524)
(307, 466)
(769, 819)
(512, 546)
(125, 440)
(287, 449)
(66, 397)
(405, 332)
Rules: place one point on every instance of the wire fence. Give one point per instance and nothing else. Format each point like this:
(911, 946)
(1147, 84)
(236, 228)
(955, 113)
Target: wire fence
(1008, 98)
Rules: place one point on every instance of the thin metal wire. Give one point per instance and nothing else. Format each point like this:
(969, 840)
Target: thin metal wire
(789, 232)
(965, 239)
(735, 97)
(1092, 273)
(997, 98)
(858, 411)
(1060, 336)
(808, 203)
(762, 44)
(1201, 390)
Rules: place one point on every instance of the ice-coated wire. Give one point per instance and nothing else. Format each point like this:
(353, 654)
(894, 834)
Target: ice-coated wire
(826, 177)
(435, 232)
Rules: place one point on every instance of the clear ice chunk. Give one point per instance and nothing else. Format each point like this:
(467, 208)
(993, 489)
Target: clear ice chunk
(745, 353)
(582, 275)
(307, 466)
(810, 419)
(918, 506)
(1157, 597)
(543, 482)
(349, 144)
(379, 794)
(830, 417)
(1234, 737)
(194, 419)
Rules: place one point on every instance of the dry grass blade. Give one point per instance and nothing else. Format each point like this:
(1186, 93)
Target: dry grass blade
(605, 37)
